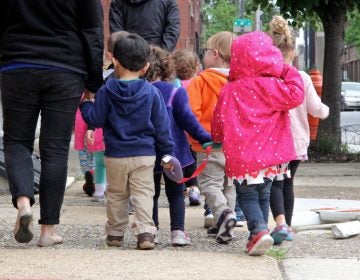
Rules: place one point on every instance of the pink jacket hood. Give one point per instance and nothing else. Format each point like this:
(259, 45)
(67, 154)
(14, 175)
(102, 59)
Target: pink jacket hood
(253, 55)
(251, 117)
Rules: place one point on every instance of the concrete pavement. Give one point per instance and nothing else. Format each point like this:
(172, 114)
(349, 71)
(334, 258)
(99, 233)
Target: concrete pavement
(85, 256)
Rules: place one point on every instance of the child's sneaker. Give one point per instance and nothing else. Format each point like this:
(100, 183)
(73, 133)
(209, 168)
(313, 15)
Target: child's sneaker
(114, 240)
(208, 220)
(226, 226)
(279, 234)
(145, 241)
(179, 238)
(259, 243)
(240, 221)
(89, 186)
(194, 196)
(290, 236)
(212, 231)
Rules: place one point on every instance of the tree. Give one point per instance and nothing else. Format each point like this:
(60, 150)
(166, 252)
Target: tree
(219, 16)
(332, 14)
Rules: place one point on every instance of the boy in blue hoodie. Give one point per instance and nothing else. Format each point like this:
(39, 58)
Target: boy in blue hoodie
(136, 128)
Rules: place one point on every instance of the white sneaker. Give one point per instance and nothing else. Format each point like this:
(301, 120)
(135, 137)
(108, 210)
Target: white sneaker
(208, 221)
(179, 238)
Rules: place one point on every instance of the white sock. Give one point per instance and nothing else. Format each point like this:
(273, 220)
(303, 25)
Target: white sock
(100, 190)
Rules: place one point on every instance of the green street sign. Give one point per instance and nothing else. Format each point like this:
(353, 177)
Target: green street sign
(242, 22)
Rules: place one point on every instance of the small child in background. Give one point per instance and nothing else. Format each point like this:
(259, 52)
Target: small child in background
(136, 128)
(160, 73)
(282, 192)
(203, 92)
(251, 120)
(86, 150)
(187, 65)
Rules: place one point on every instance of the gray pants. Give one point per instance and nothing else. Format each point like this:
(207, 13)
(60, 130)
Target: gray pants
(220, 194)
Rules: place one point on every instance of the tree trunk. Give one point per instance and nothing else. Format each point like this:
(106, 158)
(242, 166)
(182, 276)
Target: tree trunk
(329, 135)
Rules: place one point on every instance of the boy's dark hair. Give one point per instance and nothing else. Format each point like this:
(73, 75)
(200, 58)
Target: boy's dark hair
(132, 51)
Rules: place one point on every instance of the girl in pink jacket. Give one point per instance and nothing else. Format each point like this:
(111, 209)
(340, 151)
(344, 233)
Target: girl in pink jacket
(91, 150)
(251, 119)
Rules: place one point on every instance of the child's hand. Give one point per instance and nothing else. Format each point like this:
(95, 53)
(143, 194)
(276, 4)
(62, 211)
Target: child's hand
(212, 144)
(90, 138)
(168, 166)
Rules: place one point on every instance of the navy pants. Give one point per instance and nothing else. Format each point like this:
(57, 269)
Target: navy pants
(255, 200)
(26, 93)
(175, 195)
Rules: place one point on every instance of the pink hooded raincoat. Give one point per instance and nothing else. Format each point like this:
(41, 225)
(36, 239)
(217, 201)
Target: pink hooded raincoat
(251, 118)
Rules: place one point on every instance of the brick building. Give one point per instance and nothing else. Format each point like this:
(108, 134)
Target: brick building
(190, 23)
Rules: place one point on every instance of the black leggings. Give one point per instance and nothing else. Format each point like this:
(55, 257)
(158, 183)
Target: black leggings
(282, 195)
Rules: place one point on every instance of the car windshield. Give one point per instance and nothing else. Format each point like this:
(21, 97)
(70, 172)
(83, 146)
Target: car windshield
(351, 86)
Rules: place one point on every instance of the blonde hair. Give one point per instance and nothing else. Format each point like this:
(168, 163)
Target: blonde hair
(282, 35)
(186, 63)
(222, 43)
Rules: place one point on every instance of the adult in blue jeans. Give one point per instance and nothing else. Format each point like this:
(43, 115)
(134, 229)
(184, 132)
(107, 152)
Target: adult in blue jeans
(50, 51)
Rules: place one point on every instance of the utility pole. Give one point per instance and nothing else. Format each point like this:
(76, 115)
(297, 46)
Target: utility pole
(242, 10)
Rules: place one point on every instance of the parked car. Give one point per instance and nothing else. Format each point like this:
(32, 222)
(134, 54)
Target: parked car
(350, 96)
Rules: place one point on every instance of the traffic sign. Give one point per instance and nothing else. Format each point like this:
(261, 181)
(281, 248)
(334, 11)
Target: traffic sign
(242, 22)
(242, 25)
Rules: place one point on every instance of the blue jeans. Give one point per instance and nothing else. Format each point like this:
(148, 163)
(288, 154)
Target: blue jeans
(24, 94)
(255, 200)
(175, 195)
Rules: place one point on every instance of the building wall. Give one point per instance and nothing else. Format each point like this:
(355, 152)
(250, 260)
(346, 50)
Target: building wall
(351, 64)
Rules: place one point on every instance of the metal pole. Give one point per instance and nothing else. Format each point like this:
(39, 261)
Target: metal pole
(242, 8)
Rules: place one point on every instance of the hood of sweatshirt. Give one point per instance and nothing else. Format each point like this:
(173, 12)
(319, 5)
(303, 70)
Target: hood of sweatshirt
(215, 78)
(128, 96)
(254, 55)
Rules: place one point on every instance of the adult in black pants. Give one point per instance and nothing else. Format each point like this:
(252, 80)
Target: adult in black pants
(50, 52)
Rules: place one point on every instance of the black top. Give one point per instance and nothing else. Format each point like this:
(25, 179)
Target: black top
(157, 21)
(66, 34)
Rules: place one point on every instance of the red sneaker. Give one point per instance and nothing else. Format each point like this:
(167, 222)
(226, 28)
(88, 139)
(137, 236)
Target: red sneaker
(259, 243)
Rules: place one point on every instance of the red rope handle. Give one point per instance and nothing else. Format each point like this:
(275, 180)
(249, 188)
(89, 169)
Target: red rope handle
(200, 168)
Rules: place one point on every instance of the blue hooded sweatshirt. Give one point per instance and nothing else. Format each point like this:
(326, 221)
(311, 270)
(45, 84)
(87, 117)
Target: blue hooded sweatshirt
(134, 119)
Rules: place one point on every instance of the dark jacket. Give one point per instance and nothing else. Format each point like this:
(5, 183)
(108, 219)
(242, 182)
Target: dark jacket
(182, 120)
(157, 21)
(133, 117)
(65, 34)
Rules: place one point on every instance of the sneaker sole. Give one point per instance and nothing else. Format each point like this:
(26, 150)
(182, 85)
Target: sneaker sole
(114, 243)
(225, 236)
(279, 236)
(24, 234)
(262, 246)
(180, 244)
(146, 245)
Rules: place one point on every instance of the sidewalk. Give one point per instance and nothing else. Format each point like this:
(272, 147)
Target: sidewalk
(84, 254)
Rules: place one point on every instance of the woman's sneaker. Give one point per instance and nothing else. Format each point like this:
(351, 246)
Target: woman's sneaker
(259, 243)
(226, 226)
(179, 238)
(279, 234)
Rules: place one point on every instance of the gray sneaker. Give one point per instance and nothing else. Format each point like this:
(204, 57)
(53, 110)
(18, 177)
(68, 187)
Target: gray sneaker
(226, 225)
(179, 238)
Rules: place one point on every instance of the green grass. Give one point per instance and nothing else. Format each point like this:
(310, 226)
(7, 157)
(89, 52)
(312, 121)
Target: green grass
(277, 253)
